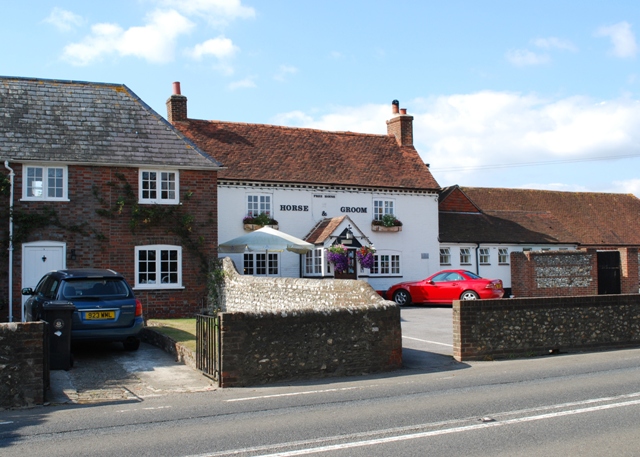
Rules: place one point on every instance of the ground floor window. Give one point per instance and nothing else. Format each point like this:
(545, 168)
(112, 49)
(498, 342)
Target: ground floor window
(386, 264)
(158, 266)
(503, 256)
(261, 264)
(445, 256)
(313, 262)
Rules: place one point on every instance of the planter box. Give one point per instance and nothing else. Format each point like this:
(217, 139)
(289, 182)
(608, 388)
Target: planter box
(382, 228)
(252, 227)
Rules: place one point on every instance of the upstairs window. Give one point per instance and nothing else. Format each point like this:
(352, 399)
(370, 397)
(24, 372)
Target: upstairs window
(45, 183)
(381, 208)
(465, 256)
(258, 204)
(158, 186)
(445, 256)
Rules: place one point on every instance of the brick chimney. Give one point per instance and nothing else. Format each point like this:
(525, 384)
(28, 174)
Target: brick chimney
(400, 125)
(176, 105)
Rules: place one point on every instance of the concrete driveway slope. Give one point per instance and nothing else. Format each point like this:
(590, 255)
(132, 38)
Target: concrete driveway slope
(106, 373)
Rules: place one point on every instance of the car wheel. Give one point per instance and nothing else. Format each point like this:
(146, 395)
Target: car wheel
(402, 297)
(469, 295)
(131, 344)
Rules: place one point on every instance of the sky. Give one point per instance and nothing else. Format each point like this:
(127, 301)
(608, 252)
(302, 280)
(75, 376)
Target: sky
(540, 94)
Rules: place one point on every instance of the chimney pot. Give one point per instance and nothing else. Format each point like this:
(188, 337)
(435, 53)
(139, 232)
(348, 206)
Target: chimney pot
(403, 110)
(394, 106)
(176, 88)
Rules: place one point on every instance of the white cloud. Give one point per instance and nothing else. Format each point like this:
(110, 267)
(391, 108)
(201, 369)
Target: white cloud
(461, 136)
(64, 20)
(524, 57)
(246, 83)
(555, 43)
(219, 47)
(622, 39)
(216, 12)
(154, 42)
(284, 71)
(631, 186)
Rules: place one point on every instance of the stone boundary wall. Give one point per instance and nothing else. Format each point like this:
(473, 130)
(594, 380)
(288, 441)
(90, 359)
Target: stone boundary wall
(22, 364)
(278, 329)
(266, 348)
(490, 329)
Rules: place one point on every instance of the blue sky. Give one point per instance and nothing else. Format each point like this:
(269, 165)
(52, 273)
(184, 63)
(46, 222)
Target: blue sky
(542, 94)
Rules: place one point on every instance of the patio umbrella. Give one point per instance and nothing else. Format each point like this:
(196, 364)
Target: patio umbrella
(266, 239)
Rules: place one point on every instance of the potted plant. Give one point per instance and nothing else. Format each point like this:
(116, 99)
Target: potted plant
(365, 256)
(337, 255)
(255, 222)
(388, 223)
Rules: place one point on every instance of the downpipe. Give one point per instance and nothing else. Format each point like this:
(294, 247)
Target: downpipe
(11, 176)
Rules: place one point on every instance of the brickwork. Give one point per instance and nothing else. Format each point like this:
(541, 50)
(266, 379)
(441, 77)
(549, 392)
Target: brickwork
(489, 329)
(402, 128)
(277, 329)
(567, 273)
(102, 241)
(21, 364)
(177, 108)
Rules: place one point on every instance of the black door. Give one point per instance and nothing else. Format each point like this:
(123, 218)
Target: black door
(608, 272)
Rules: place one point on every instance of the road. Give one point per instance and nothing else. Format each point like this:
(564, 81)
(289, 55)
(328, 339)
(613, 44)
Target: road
(566, 404)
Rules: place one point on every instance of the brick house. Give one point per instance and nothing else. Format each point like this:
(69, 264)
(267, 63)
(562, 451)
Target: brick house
(326, 187)
(98, 179)
(481, 227)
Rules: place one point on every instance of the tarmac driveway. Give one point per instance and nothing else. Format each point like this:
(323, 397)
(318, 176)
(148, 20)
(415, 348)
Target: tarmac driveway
(103, 373)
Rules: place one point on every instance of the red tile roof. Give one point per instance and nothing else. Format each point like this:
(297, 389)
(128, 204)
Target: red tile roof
(277, 154)
(588, 218)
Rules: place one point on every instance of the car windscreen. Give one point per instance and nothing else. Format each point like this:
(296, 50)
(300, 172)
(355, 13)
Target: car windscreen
(95, 287)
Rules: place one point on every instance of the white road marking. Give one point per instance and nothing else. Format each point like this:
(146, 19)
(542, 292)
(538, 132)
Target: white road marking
(293, 394)
(427, 341)
(393, 439)
(142, 409)
(400, 433)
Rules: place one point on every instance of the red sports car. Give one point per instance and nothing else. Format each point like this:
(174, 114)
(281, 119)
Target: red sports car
(444, 287)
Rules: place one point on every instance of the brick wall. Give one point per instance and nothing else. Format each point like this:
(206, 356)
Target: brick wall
(21, 364)
(488, 329)
(277, 329)
(101, 241)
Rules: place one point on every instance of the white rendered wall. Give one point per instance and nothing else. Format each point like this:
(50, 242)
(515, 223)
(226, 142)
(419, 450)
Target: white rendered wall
(298, 210)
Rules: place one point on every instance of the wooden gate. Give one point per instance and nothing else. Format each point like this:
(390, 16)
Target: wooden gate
(608, 272)
(208, 345)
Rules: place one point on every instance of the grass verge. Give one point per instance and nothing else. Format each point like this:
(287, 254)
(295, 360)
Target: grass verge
(180, 330)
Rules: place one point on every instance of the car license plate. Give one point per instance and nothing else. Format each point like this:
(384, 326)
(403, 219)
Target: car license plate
(99, 315)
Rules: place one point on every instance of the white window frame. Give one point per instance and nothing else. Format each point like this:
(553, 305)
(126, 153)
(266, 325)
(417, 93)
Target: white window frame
(445, 256)
(465, 256)
(386, 264)
(263, 204)
(383, 206)
(158, 183)
(267, 258)
(503, 256)
(313, 262)
(484, 256)
(45, 169)
(160, 264)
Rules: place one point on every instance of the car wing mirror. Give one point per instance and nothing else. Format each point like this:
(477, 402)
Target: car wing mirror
(27, 291)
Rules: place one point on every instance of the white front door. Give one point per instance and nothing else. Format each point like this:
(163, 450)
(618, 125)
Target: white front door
(39, 258)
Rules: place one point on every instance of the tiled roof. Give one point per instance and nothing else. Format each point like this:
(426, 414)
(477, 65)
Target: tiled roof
(587, 218)
(91, 123)
(307, 156)
(323, 229)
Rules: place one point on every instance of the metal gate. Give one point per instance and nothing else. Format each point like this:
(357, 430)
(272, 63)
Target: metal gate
(608, 272)
(208, 345)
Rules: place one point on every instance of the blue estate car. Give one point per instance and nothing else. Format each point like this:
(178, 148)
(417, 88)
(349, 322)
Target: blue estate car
(106, 309)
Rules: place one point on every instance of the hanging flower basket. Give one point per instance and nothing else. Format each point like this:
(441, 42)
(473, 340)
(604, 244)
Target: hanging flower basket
(365, 256)
(337, 255)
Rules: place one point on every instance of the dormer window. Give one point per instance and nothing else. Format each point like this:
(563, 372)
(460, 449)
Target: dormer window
(159, 186)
